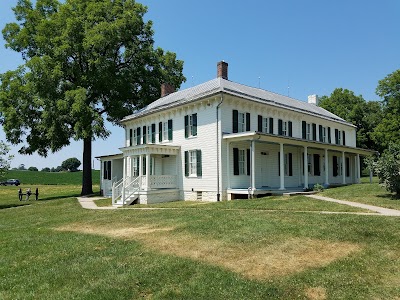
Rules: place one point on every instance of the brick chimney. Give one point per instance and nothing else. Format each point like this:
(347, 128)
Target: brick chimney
(222, 70)
(166, 89)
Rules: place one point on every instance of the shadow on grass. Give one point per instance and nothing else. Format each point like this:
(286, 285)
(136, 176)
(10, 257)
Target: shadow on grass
(58, 197)
(389, 197)
(4, 206)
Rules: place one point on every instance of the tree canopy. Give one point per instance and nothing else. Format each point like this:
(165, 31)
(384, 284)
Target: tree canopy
(84, 62)
(365, 115)
(388, 130)
(71, 164)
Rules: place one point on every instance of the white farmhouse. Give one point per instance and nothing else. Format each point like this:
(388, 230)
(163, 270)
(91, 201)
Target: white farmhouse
(224, 140)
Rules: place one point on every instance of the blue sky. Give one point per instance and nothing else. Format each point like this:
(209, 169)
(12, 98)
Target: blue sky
(312, 47)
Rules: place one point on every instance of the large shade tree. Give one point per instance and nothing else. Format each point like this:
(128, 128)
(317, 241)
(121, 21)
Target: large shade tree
(388, 129)
(85, 61)
(365, 115)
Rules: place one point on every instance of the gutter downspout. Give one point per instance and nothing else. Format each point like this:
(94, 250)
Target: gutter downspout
(218, 177)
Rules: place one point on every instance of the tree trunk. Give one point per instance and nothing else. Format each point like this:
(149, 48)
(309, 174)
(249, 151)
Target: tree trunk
(87, 167)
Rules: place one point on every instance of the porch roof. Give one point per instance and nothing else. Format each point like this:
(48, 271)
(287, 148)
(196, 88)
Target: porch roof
(150, 149)
(276, 139)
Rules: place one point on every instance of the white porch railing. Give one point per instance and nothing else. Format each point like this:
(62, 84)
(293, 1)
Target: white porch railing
(159, 182)
(118, 188)
(132, 188)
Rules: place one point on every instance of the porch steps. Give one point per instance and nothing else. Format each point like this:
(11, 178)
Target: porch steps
(129, 201)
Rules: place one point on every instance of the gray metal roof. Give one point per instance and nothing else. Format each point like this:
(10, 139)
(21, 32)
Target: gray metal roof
(218, 85)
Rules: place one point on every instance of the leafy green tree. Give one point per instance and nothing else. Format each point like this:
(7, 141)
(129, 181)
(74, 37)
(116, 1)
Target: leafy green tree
(71, 164)
(21, 167)
(388, 129)
(33, 169)
(46, 169)
(5, 159)
(84, 62)
(388, 169)
(354, 109)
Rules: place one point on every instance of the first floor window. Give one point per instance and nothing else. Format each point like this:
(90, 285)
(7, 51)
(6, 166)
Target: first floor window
(242, 161)
(193, 164)
(287, 164)
(107, 170)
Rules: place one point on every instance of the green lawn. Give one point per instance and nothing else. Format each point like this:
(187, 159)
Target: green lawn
(54, 249)
(51, 178)
(366, 193)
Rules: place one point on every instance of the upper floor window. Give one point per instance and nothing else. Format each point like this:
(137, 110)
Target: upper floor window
(322, 134)
(165, 131)
(265, 125)
(309, 131)
(338, 137)
(284, 127)
(190, 125)
(240, 121)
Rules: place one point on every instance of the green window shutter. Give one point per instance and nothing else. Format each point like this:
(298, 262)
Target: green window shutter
(336, 136)
(235, 161)
(144, 165)
(144, 135)
(170, 130)
(130, 136)
(105, 170)
(347, 166)
(247, 121)
(314, 131)
(304, 129)
(153, 133)
(335, 166)
(260, 127)
(194, 127)
(280, 127)
(186, 163)
(344, 137)
(109, 170)
(248, 161)
(186, 126)
(160, 137)
(290, 124)
(317, 169)
(271, 125)
(138, 136)
(329, 135)
(235, 117)
(320, 133)
(290, 164)
(199, 164)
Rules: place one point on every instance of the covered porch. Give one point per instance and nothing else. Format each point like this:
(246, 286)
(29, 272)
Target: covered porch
(147, 170)
(261, 164)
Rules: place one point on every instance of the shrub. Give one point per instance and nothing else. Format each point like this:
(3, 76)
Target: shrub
(318, 187)
(387, 168)
(34, 169)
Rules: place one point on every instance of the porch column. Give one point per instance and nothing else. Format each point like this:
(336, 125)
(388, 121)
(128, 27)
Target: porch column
(124, 169)
(147, 171)
(282, 166)
(343, 168)
(358, 169)
(228, 172)
(326, 167)
(253, 166)
(305, 168)
(140, 171)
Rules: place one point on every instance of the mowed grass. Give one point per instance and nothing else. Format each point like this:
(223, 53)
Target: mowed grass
(54, 249)
(51, 178)
(367, 193)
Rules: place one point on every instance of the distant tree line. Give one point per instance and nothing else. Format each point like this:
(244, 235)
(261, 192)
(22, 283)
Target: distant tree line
(69, 165)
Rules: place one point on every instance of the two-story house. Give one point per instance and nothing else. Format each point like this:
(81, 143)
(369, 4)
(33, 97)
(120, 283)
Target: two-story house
(224, 140)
